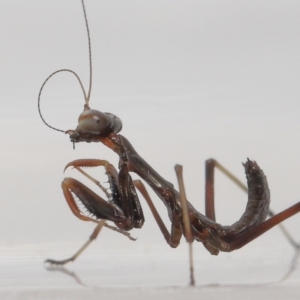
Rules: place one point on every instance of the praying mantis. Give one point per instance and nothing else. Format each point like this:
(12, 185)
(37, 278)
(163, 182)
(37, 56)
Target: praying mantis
(123, 207)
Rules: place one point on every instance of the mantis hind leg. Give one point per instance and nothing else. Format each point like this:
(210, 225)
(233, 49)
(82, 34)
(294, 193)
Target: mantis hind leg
(248, 235)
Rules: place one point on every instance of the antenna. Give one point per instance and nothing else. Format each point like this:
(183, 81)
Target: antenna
(86, 96)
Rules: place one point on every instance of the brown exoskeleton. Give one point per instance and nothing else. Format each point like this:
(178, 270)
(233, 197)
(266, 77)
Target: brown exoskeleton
(123, 206)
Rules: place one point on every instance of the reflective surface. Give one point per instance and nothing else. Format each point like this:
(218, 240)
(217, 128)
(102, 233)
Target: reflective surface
(137, 270)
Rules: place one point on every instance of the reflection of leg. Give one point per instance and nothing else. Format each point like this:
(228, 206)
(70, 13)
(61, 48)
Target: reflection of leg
(65, 271)
(72, 258)
(209, 194)
(186, 220)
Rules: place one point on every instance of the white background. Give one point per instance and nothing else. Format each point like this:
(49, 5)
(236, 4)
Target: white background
(190, 80)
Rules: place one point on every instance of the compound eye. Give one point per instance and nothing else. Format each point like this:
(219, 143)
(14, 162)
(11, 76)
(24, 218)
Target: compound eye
(93, 121)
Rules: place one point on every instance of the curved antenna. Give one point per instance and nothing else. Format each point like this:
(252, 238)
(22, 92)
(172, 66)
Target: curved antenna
(39, 98)
(86, 96)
